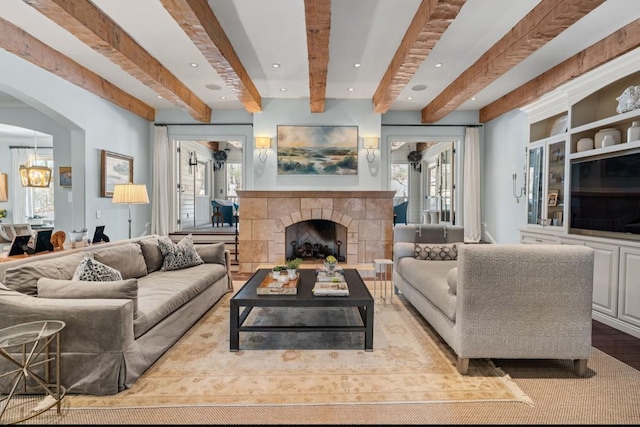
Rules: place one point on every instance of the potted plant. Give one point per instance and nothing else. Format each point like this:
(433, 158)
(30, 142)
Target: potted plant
(3, 214)
(330, 264)
(292, 267)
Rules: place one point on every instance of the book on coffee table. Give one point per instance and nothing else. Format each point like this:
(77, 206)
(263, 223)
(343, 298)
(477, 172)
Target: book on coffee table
(331, 289)
(323, 276)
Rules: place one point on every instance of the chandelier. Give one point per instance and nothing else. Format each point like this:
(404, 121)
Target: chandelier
(34, 175)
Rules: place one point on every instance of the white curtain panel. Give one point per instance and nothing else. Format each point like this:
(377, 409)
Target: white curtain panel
(163, 215)
(471, 197)
(20, 195)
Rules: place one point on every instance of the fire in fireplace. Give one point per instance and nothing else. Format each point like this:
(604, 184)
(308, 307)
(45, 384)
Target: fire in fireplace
(316, 239)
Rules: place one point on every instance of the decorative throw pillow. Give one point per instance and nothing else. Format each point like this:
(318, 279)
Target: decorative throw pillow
(178, 255)
(91, 270)
(77, 289)
(212, 253)
(452, 280)
(441, 252)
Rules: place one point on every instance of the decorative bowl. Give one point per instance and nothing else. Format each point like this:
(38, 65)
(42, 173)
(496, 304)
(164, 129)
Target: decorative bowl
(77, 236)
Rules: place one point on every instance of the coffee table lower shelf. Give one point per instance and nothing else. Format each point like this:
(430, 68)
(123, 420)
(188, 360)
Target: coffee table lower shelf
(247, 297)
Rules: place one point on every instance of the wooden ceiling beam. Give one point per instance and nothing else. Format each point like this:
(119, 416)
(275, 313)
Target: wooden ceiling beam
(91, 26)
(22, 44)
(431, 20)
(616, 44)
(317, 16)
(544, 22)
(198, 21)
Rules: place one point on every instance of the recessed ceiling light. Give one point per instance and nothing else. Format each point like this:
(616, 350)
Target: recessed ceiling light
(356, 65)
(283, 89)
(418, 88)
(223, 97)
(409, 98)
(438, 65)
(275, 65)
(350, 89)
(473, 98)
(193, 64)
(159, 96)
(212, 86)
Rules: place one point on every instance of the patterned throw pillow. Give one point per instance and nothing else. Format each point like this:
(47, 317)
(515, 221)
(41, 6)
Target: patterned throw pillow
(440, 252)
(178, 255)
(94, 271)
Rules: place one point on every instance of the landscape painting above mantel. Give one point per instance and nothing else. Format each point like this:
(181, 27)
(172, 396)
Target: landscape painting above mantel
(317, 150)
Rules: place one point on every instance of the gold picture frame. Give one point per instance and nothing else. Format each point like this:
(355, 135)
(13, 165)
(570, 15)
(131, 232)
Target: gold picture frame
(114, 169)
(65, 177)
(553, 198)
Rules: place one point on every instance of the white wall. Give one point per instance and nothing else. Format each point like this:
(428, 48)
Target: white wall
(92, 124)
(504, 154)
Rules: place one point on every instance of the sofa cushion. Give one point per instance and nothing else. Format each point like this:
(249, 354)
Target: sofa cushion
(163, 292)
(179, 255)
(430, 279)
(127, 258)
(452, 280)
(95, 271)
(212, 253)
(24, 278)
(438, 252)
(80, 289)
(151, 253)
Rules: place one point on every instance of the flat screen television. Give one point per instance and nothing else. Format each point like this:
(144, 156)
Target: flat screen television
(605, 196)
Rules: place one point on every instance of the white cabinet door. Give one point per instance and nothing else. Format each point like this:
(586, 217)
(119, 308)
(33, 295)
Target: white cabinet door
(605, 277)
(629, 285)
(536, 238)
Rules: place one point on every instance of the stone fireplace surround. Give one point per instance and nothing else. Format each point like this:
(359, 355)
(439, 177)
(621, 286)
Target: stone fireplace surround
(264, 216)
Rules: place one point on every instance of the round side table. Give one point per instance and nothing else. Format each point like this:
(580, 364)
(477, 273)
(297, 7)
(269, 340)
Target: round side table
(34, 340)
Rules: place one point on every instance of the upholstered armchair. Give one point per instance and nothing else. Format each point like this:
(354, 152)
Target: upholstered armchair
(223, 212)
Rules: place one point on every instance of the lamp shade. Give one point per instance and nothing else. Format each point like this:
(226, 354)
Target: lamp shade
(263, 142)
(4, 193)
(370, 142)
(130, 193)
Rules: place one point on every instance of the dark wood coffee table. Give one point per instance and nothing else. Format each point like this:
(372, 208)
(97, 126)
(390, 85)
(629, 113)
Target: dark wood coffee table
(247, 297)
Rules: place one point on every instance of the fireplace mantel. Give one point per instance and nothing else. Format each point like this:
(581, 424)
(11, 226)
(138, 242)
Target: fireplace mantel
(264, 215)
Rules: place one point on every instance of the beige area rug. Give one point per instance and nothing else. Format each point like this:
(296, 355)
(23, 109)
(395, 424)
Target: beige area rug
(408, 365)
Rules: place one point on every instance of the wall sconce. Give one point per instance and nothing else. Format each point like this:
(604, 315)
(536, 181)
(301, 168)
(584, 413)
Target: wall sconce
(524, 184)
(262, 144)
(371, 143)
(193, 161)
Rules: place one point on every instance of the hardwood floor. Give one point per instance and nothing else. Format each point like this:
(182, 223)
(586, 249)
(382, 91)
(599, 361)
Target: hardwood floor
(611, 341)
(615, 343)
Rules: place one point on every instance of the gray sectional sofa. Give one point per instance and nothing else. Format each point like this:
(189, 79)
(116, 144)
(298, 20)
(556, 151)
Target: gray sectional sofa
(111, 339)
(510, 301)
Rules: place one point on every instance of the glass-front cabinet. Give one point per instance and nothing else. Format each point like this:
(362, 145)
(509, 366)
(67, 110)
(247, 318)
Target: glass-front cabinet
(546, 197)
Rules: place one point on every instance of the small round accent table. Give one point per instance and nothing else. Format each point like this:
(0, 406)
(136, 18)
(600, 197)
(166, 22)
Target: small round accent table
(31, 341)
(382, 276)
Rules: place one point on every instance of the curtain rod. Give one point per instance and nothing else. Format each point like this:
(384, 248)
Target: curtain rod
(203, 124)
(434, 125)
(30, 147)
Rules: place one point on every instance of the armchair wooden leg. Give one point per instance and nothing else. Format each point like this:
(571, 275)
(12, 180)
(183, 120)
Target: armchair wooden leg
(462, 365)
(580, 367)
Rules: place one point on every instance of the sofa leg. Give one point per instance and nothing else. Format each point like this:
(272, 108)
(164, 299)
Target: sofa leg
(580, 367)
(462, 365)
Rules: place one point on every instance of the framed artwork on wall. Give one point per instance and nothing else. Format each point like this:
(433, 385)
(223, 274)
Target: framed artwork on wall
(553, 198)
(114, 169)
(317, 150)
(65, 177)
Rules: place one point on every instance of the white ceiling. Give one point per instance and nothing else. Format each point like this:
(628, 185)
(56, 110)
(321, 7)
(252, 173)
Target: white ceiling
(367, 32)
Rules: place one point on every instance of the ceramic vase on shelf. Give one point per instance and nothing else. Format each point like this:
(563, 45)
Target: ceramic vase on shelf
(633, 133)
(608, 140)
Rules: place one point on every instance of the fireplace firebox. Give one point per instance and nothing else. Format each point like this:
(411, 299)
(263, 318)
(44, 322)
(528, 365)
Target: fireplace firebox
(316, 239)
